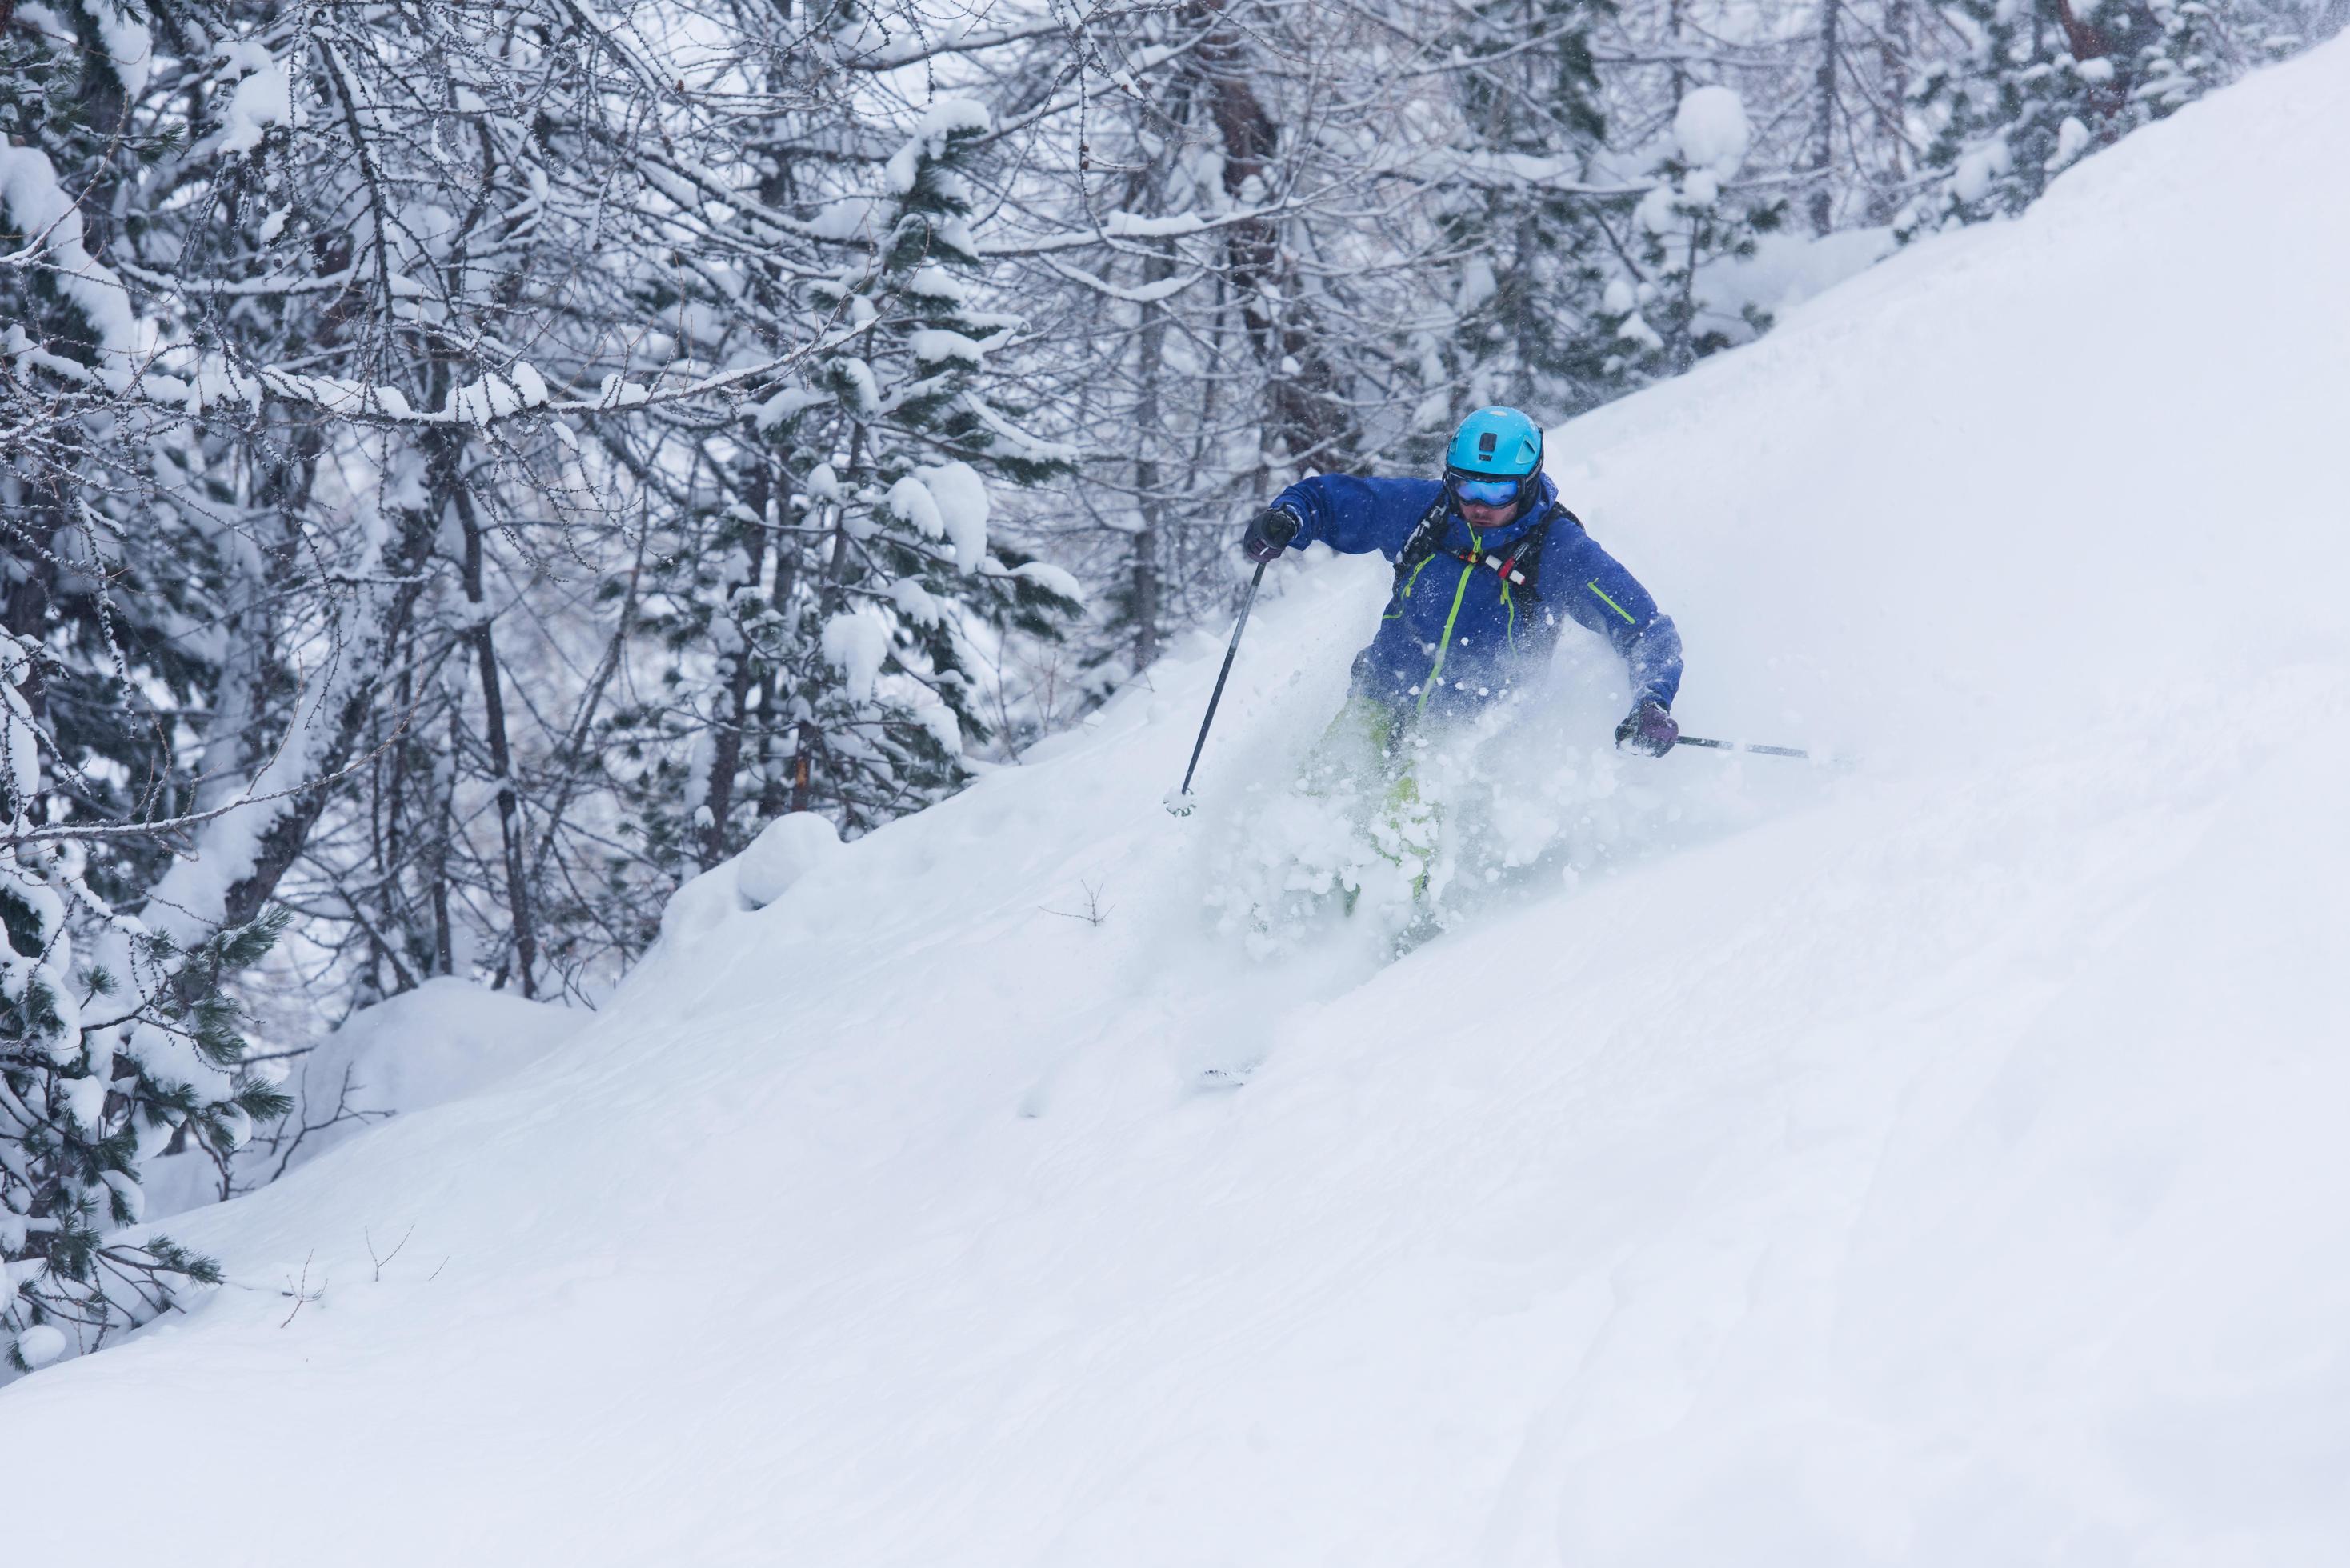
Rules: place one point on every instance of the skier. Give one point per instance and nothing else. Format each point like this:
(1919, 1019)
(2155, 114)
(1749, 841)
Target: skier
(1487, 563)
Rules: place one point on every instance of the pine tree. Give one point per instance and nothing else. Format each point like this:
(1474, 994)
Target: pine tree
(108, 558)
(839, 559)
(875, 679)
(116, 1047)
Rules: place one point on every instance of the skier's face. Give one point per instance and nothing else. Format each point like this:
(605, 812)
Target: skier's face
(1481, 517)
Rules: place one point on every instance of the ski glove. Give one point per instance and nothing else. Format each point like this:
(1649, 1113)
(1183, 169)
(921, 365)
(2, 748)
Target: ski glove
(1269, 533)
(1648, 730)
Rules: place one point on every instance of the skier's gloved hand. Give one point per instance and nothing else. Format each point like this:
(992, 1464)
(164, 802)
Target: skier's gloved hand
(1648, 730)
(1269, 533)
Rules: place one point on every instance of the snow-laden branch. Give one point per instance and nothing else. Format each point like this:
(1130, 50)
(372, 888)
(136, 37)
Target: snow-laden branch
(1146, 294)
(169, 827)
(241, 288)
(33, 202)
(1119, 226)
(1030, 445)
(968, 43)
(488, 400)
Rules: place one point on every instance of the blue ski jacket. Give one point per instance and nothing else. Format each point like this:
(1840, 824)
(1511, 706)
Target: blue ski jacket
(1457, 633)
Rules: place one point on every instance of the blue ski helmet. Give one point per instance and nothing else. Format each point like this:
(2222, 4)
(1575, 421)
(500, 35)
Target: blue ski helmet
(1495, 458)
(1496, 444)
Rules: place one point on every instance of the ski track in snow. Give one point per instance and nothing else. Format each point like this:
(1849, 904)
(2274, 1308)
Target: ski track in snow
(1937, 1163)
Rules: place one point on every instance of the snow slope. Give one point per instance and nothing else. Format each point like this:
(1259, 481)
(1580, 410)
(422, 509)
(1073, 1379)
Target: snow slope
(439, 1041)
(1935, 1164)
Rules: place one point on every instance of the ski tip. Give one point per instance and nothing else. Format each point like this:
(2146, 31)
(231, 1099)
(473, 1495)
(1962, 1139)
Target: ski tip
(1181, 802)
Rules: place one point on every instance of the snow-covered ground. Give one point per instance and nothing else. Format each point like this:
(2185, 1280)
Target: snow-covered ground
(1939, 1162)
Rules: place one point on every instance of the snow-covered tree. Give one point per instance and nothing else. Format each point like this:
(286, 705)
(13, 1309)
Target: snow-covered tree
(1693, 219)
(897, 506)
(2037, 87)
(832, 548)
(1526, 226)
(116, 1045)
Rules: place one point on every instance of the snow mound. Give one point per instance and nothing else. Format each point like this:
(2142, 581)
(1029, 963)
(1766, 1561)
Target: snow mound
(1934, 1164)
(786, 851)
(442, 1042)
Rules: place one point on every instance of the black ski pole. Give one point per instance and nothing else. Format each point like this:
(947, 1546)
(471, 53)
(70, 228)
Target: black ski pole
(1181, 802)
(1796, 751)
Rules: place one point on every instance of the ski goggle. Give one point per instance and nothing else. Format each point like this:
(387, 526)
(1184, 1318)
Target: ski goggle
(1482, 491)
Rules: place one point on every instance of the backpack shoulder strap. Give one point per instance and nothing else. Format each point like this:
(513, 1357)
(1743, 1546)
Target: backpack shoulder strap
(1420, 546)
(1522, 568)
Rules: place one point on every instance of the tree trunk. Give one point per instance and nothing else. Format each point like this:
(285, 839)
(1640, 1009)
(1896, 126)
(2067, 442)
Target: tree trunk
(1149, 500)
(2080, 37)
(1822, 201)
(445, 805)
(802, 786)
(1676, 17)
(387, 842)
(734, 715)
(1892, 92)
(835, 596)
(773, 799)
(1301, 391)
(493, 724)
(371, 643)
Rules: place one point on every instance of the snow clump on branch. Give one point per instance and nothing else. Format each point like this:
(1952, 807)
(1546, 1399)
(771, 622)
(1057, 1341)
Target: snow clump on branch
(1711, 130)
(944, 118)
(263, 98)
